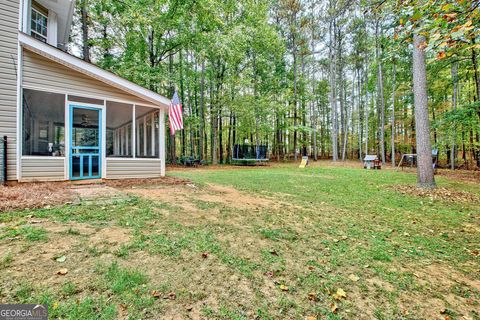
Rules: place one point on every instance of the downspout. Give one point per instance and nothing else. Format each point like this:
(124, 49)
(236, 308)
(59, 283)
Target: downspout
(4, 161)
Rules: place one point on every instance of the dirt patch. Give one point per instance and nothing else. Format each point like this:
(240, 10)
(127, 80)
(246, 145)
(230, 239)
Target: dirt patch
(82, 247)
(440, 193)
(113, 236)
(34, 195)
(210, 202)
(445, 281)
(98, 193)
(129, 183)
(235, 198)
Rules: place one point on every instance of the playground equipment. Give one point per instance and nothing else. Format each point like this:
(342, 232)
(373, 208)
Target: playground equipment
(410, 159)
(249, 154)
(304, 162)
(372, 162)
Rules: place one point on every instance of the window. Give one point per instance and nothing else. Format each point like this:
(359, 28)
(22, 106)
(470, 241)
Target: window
(147, 131)
(43, 123)
(119, 129)
(38, 25)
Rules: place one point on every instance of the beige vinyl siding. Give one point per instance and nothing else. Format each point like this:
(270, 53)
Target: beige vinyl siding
(38, 169)
(9, 10)
(132, 168)
(40, 72)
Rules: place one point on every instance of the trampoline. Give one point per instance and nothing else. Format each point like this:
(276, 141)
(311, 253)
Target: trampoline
(250, 153)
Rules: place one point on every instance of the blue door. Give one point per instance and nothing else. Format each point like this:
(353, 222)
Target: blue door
(85, 142)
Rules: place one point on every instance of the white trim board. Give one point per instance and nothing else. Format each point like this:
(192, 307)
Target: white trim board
(42, 158)
(91, 70)
(132, 159)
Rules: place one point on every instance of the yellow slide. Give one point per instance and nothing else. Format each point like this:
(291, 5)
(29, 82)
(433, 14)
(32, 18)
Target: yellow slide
(304, 162)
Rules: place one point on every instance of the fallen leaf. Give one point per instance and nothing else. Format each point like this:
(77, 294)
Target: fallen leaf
(333, 307)
(61, 259)
(156, 294)
(450, 16)
(283, 287)
(311, 268)
(340, 294)
(62, 271)
(205, 255)
(171, 296)
(273, 252)
(312, 296)
(270, 274)
(353, 277)
(443, 311)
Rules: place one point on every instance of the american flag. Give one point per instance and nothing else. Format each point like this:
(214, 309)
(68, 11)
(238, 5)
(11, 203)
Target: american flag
(175, 114)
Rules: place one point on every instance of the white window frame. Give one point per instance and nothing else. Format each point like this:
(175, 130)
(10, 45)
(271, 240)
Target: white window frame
(45, 37)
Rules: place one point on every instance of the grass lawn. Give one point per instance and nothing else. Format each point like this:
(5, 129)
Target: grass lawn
(253, 243)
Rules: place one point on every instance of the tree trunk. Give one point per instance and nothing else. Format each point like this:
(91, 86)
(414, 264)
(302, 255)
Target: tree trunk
(367, 110)
(201, 134)
(182, 100)
(425, 176)
(295, 142)
(380, 94)
(213, 123)
(85, 36)
(392, 142)
(333, 95)
(477, 86)
(360, 115)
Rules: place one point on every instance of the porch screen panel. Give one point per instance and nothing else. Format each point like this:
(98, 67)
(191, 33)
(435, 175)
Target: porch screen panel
(43, 123)
(147, 130)
(119, 130)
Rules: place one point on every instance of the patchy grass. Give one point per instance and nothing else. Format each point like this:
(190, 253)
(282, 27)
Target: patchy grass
(27, 233)
(265, 243)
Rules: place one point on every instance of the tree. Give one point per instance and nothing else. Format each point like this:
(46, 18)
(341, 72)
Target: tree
(292, 72)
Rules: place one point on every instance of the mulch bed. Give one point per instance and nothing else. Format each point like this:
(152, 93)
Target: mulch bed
(34, 195)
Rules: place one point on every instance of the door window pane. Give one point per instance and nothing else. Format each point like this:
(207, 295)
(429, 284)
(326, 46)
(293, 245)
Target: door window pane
(43, 123)
(95, 166)
(76, 166)
(85, 128)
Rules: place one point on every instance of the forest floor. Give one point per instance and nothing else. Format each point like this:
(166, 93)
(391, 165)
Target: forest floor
(274, 242)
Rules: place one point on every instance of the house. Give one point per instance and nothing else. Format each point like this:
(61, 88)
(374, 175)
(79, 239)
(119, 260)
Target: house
(64, 118)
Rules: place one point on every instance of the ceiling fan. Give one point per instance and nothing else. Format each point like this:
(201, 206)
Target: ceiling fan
(85, 121)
